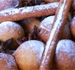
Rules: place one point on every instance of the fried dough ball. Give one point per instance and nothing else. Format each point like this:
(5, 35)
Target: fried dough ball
(5, 4)
(64, 55)
(73, 26)
(9, 30)
(29, 24)
(50, 1)
(28, 55)
(7, 62)
(45, 28)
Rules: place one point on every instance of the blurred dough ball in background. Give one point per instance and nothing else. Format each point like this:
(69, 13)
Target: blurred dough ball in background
(5, 4)
(28, 24)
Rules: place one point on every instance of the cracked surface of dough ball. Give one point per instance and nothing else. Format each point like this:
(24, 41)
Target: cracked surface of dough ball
(7, 62)
(65, 55)
(28, 55)
(5, 4)
(9, 30)
(45, 28)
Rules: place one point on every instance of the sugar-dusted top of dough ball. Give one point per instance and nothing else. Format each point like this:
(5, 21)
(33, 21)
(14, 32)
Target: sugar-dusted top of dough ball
(45, 27)
(65, 55)
(5, 26)
(33, 46)
(66, 46)
(7, 62)
(47, 23)
(10, 29)
(9, 26)
(28, 55)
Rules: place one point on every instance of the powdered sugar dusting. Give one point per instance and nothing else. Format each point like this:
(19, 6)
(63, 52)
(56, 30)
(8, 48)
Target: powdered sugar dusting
(34, 47)
(8, 4)
(8, 59)
(57, 25)
(66, 46)
(37, 47)
(41, 7)
(10, 11)
(31, 9)
(5, 26)
(47, 23)
(46, 26)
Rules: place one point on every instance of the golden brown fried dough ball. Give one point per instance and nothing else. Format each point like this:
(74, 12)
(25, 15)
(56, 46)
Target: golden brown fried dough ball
(73, 26)
(5, 4)
(9, 30)
(29, 24)
(50, 1)
(45, 28)
(7, 62)
(28, 55)
(64, 55)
